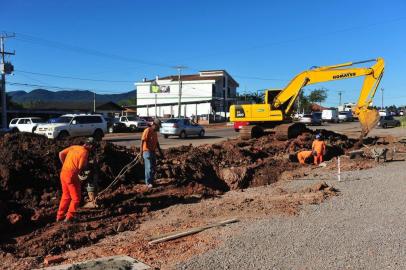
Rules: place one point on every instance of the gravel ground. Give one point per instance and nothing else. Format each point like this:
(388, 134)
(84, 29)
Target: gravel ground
(363, 228)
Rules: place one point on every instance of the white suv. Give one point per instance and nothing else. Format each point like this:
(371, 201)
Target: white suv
(27, 124)
(134, 123)
(74, 125)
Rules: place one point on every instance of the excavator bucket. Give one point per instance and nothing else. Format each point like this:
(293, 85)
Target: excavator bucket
(368, 119)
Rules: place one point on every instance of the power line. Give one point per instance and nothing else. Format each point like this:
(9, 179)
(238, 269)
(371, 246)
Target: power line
(259, 78)
(63, 46)
(72, 77)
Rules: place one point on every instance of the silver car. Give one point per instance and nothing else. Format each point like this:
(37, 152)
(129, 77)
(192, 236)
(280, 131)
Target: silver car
(181, 127)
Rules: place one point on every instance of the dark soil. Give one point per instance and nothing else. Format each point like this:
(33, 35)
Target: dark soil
(30, 187)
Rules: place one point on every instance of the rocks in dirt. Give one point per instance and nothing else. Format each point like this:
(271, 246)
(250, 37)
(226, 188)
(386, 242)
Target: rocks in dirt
(320, 187)
(15, 219)
(53, 259)
(235, 177)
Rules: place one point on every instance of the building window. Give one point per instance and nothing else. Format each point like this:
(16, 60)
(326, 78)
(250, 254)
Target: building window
(228, 92)
(213, 90)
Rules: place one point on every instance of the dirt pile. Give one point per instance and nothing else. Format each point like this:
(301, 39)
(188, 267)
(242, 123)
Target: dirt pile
(29, 175)
(30, 189)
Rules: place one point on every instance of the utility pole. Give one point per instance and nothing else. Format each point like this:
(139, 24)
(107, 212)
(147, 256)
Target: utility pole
(340, 93)
(382, 98)
(94, 102)
(6, 68)
(225, 78)
(179, 68)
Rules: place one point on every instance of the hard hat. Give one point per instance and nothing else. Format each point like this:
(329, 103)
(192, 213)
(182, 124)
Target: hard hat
(157, 122)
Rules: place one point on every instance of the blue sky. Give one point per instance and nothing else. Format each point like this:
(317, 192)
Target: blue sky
(272, 41)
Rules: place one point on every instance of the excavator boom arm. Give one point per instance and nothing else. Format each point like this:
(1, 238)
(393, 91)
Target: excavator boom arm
(286, 98)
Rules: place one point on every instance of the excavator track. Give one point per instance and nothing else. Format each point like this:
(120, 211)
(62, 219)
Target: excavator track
(250, 132)
(285, 132)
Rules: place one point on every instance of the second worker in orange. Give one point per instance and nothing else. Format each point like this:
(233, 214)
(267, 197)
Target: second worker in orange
(74, 160)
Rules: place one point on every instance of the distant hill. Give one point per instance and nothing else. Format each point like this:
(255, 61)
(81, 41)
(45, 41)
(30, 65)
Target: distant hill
(45, 99)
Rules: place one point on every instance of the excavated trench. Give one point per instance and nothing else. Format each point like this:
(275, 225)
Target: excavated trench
(30, 188)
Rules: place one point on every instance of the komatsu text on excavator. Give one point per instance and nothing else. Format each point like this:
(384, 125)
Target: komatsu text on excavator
(277, 108)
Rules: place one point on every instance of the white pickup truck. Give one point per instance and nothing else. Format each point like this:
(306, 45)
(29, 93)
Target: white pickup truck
(27, 124)
(134, 123)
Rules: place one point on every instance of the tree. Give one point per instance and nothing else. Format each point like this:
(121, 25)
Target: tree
(303, 104)
(317, 96)
(127, 102)
(254, 97)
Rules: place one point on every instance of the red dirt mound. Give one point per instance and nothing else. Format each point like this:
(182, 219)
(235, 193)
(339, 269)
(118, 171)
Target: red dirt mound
(30, 189)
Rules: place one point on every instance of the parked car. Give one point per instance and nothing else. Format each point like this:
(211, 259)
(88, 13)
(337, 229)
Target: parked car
(74, 125)
(115, 126)
(297, 116)
(330, 115)
(383, 112)
(345, 116)
(388, 121)
(52, 120)
(181, 127)
(311, 119)
(148, 119)
(134, 123)
(316, 118)
(26, 124)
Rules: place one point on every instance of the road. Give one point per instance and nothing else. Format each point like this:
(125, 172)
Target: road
(353, 130)
(213, 135)
(218, 134)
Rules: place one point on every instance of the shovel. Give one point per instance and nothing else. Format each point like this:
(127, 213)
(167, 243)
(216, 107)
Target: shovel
(91, 191)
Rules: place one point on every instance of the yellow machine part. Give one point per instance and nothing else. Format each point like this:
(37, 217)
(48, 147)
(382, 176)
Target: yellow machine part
(368, 118)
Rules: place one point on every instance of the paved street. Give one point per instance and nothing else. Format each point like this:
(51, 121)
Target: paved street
(218, 134)
(213, 135)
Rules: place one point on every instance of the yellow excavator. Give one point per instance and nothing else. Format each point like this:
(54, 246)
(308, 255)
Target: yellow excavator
(275, 113)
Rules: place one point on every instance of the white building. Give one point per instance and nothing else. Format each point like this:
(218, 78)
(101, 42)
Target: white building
(208, 92)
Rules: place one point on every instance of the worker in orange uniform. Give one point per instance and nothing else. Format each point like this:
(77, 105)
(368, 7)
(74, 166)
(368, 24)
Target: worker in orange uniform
(302, 156)
(319, 149)
(74, 160)
(149, 145)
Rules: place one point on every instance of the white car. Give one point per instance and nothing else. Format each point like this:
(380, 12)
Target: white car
(134, 123)
(26, 124)
(345, 116)
(330, 115)
(383, 112)
(74, 125)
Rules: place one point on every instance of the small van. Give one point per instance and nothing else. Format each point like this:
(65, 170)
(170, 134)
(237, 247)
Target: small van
(330, 115)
